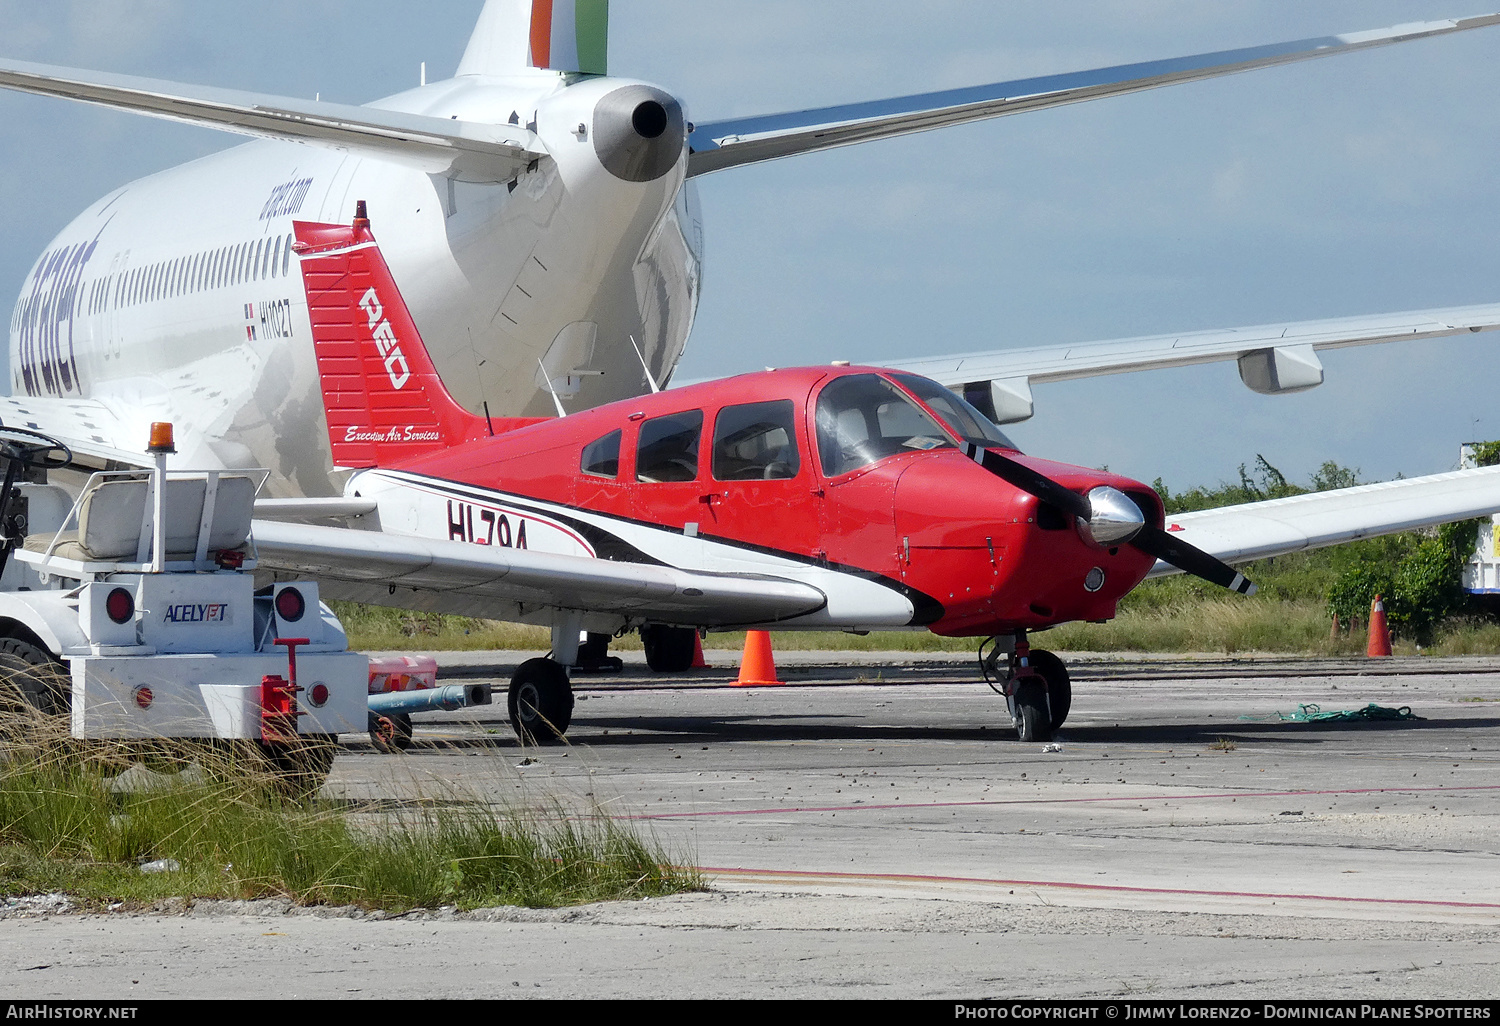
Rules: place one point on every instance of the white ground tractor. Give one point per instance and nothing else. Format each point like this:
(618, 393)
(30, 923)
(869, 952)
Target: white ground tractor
(133, 611)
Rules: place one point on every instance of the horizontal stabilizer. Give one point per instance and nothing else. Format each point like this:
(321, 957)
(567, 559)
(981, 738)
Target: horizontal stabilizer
(1259, 530)
(467, 151)
(726, 144)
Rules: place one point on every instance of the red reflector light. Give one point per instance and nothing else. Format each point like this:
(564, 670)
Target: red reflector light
(120, 605)
(290, 605)
(144, 697)
(319, 695)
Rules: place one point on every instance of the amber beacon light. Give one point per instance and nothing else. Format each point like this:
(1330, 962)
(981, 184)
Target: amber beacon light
(161, 439)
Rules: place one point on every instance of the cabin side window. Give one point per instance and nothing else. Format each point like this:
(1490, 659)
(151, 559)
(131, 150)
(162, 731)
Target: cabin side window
(602, 458)
(668, 449)
(756, 442)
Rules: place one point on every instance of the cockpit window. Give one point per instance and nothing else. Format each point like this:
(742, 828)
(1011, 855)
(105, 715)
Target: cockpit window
(864, 418)
(756, 442)
(966, 422)
(669, 448)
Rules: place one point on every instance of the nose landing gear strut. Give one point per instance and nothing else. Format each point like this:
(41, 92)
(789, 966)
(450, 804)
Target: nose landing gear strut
(1034, 683)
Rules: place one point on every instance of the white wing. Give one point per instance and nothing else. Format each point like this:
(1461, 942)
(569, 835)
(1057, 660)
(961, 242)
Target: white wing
(465, 150)
(516, 584)
(98, 434)
(726, 144)
(1274, 359)
(1237, 534)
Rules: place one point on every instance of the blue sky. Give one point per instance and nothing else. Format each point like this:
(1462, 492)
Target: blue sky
(1361, 184)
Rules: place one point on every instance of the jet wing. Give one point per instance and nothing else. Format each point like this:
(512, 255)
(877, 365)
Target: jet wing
(1275, 358)
(1258, 530)
(725, 144)
(468, 151)
(98, 436)
(515, 584)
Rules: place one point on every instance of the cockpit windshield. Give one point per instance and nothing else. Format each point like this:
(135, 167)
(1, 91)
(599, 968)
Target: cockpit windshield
(965, 421)
(864, 418)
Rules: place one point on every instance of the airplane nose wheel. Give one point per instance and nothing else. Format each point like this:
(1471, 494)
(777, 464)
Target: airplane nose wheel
(1032, 716)
(1035, 685)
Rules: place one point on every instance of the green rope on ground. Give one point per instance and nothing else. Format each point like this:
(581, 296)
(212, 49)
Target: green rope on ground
(1372, 712)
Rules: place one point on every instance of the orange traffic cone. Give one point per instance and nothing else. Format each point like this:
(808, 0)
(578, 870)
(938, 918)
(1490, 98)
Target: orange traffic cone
(699, 663)
(1380, 634)
(758, 668)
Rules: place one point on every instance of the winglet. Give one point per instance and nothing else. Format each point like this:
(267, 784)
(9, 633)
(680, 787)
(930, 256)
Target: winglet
(385, 401)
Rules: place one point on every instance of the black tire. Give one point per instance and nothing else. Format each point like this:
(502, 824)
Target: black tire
(1033, 719)
(31, 681)
(391, 734)
(594, 657)
(302, 767)
(541, 702)
(1059, 686)
(668, 649)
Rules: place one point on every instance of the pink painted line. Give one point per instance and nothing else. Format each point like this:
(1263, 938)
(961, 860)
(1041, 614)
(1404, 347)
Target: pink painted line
(1110, 888)
(1060, 801)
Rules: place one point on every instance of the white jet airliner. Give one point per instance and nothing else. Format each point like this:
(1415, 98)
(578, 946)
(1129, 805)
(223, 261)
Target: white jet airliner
(540, 217)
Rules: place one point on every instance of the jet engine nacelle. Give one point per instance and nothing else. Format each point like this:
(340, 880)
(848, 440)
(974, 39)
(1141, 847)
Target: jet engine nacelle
(1282, 371)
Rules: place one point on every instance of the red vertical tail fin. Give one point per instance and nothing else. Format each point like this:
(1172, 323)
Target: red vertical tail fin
(384, 399)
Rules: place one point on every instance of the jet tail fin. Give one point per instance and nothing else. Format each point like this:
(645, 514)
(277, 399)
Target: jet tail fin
(517, 36)
(384, 399)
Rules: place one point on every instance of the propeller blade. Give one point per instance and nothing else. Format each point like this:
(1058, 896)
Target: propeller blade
(1191, 560)
(1029, 481)
(1151, 540)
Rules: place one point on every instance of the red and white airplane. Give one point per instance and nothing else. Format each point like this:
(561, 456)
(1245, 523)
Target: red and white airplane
(540, 214)
(820, 498)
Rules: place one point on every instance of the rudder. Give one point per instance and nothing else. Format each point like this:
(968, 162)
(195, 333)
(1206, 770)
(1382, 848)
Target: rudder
(514, 37)
(384, 399)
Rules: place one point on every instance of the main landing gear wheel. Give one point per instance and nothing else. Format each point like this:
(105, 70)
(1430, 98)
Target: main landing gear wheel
(1059, 686)
(668, 649)
(541, 702)
(594, 657)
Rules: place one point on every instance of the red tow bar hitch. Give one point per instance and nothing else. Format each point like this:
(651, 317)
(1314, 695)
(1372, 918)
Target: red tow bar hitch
(278, 698)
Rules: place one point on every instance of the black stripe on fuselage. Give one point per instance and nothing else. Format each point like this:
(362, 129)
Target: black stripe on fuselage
(926, 609)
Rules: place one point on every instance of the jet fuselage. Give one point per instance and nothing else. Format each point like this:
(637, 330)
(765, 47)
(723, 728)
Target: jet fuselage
(176, 297)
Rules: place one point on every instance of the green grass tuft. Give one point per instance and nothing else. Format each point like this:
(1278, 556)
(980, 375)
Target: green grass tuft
(67, 828)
